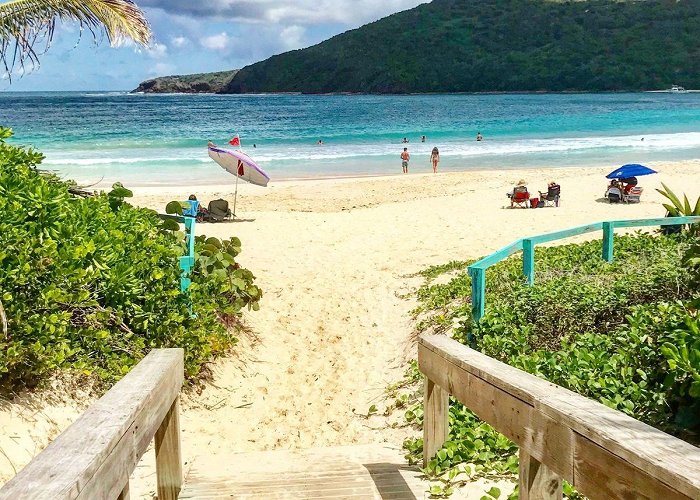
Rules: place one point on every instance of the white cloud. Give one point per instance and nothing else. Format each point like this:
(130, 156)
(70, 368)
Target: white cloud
(157, 50)
(292, 37)
(216, 42)
(180, 41)
(302, 12)
(162, 69)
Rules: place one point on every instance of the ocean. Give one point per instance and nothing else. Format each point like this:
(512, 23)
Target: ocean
(143, 139)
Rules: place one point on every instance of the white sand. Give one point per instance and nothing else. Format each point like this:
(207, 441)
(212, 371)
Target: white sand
(333, 258)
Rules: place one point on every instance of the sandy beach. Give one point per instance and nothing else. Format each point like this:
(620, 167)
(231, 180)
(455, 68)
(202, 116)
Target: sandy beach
(334, 258)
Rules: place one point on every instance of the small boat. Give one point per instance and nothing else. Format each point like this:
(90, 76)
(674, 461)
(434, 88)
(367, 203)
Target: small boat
(677, 89)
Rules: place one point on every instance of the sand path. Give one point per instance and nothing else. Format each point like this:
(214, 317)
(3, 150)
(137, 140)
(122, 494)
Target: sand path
(333, 258)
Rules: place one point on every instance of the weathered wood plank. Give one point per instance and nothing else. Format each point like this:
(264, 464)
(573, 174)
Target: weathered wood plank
(538, 434)
(662, 456)
(124, 495)
(491, 370)
(94, 457)
(537, 481)
(455, 366)
(436, 427)
(168, 455)
(599, 474)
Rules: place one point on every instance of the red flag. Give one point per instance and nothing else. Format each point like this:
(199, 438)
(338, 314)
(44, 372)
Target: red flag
(235, 141)
(241, 171)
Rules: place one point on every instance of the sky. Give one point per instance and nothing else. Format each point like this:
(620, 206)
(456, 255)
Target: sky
(195, 36)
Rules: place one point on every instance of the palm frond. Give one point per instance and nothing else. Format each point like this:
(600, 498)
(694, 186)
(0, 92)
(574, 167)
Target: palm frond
(26, 23)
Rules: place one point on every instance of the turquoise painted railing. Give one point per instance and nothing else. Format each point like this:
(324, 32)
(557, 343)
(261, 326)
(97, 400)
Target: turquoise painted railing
(187, 260)
(477, 271)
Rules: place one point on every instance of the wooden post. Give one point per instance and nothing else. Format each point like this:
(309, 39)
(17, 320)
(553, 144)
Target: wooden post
(124, 495)
(436, 424)
(608, 232)
(529, 261)
(168, 455)
(537, 481)
(478, 276)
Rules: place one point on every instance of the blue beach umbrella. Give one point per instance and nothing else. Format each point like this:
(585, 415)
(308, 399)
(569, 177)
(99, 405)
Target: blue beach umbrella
(630, 170)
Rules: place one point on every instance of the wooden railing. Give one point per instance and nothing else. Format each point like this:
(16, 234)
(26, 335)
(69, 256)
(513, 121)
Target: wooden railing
(562, 435)
(94, 457)
(477, 271)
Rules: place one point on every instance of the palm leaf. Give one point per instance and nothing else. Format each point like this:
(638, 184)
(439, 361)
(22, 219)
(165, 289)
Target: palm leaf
(686, 205)
(673, 211)
(671, 196)
(25, 23)
(697, 207)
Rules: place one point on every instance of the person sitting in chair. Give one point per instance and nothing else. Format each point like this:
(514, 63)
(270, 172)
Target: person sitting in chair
(519, 191)
(552, 194)
(628, 183)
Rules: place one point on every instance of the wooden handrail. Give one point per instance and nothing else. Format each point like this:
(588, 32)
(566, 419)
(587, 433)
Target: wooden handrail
(477, 271)
(602, 452)
(94, 457)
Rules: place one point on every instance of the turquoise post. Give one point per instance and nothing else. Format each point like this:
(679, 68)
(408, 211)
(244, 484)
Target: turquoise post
(478, 276)
(187, 260)
(529, 260)
(608, 232)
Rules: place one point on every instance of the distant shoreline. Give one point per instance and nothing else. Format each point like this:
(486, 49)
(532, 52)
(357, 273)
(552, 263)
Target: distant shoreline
(409, 94)
(510, 92)
(215, 183)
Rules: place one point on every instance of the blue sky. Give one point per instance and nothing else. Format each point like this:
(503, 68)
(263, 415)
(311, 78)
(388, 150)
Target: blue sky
(193, 36)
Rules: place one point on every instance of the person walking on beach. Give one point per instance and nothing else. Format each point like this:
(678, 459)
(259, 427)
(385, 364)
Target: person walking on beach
(404, 160)
(435, 159)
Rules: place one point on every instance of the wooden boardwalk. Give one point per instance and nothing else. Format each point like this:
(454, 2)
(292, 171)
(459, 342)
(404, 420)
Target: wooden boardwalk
(562, 436)
(368, 471)
(354, 472)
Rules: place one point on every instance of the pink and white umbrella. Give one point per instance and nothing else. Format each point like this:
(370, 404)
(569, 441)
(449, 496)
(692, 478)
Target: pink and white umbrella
(241, 165)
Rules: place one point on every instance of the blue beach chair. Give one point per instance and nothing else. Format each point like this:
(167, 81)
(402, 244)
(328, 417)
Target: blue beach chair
(193, 210)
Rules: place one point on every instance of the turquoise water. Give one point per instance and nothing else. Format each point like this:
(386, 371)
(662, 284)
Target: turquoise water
(161, 139)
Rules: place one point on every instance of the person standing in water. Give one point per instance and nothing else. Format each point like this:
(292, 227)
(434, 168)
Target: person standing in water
(404, 160)
(435, 159)
(479, 137)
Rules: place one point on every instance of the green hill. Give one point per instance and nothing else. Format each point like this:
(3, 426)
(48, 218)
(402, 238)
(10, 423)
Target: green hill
(498, 45)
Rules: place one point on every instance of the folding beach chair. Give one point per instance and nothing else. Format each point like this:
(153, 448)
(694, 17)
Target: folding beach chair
(192, 210)
(551, 197)
(218, 211)
(633, 196)
(520, 197)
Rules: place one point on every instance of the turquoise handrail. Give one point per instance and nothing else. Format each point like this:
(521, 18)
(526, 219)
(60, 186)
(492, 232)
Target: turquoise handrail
(187, 260)
(477, 271)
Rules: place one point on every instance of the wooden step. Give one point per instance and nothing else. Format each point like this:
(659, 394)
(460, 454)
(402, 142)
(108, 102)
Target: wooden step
(352, 472)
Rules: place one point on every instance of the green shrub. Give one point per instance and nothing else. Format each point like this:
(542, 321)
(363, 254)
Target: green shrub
(625, 333)
(91, 284)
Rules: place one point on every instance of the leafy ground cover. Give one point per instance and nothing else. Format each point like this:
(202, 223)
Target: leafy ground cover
(90, 285)
(625, 333)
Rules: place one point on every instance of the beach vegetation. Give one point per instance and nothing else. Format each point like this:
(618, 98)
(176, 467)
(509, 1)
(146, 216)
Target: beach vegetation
(497, 46)
(25, 24)
(677, 207)
(90, 284)
(625, 333)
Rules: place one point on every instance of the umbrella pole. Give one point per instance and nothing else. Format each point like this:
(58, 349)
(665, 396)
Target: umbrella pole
(235, 198)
